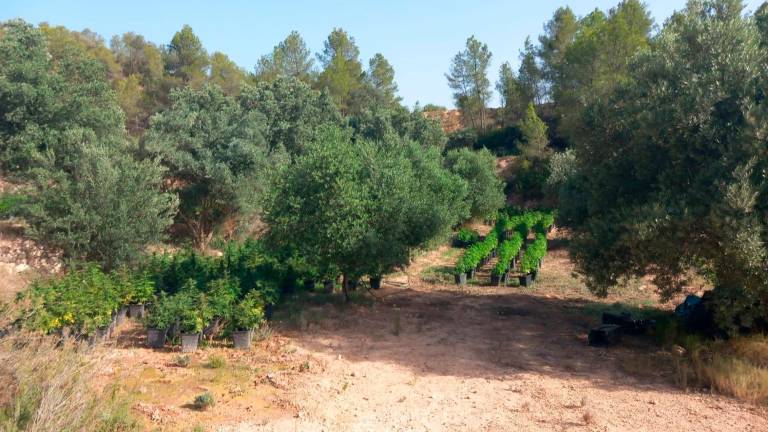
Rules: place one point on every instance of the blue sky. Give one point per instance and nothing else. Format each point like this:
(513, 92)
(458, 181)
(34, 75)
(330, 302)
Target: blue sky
(417, 37)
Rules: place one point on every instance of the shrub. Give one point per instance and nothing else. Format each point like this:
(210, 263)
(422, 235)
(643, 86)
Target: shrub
(204, 401)
(10, 204)
(467, 237)
(478, 169)
(249, 312)
(182, 360)
(216, 362)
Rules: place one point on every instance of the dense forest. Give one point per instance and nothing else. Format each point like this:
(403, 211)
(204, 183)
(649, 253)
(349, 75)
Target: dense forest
(169, 175)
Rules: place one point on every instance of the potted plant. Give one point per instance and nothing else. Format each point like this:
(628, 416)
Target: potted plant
(190, 311)
(158, 320)
(143, 288)
(375, 282)
(246, 315)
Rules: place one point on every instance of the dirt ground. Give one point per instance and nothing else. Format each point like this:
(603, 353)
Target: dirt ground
(425, 355)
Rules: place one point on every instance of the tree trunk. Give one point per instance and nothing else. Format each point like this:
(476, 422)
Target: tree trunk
(344, 288)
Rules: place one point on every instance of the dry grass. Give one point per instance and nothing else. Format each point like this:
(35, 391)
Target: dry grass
(45, 387)
(737, 367)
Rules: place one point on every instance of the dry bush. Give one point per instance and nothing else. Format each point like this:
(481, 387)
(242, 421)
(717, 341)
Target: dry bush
(737, 367)
(46, 386)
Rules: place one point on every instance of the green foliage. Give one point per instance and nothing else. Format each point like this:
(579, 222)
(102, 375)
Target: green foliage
(82, 299)
(73, 106)
(204, 401)
(215, 152)
(292, 110)
(186, 59)
(226, 74)
(533, 254)
(161, 314)
(478, 169)
(467, 237)
(663, 195)
(216, 362)
(380, 122)
(107, 210)
(10, 204)
(342, 73)
(534, 143)
(289, 59)
(361, 207)
(507, 250)
(249, 312)
(477, 252)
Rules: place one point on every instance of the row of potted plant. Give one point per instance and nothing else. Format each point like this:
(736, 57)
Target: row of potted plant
(508, 250)
(466, 237)
(191, 314)
(475, 256)
(532, 259)
(85, 303)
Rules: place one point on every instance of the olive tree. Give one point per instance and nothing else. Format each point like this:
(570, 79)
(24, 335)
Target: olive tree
(672, 167)
(478, 169)
(361, 206)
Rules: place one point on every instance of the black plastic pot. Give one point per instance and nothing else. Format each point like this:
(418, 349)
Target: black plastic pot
(136, 311)
(461, 279)
(471, 274)
(495, 279)
(156, 337)
(242, 339)
(376, 282)
(534, 274)
(98, 336)
(189, 342)
(526, 280)
(122, 313)
(309, 285)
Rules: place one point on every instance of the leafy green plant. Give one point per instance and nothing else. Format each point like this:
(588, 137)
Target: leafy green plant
(533, 254)
(162, 313)
(204, 401)
(508, 249)
(477, 252)
(249, 312)
(467, 237)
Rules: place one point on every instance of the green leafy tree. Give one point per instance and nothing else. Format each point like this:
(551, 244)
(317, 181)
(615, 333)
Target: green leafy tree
(673, 167)
(292, 110)
(289, 59)
(50, 107)
(559, 34)
(478, 169)
(529, 75)
(381, 77)
(106, 211)
(512, 98)
(359, 206)
(468, 78)
(534, 143)
(378, 122)
(342, 73)
(185, 58)
(226, 74)
(216, 156)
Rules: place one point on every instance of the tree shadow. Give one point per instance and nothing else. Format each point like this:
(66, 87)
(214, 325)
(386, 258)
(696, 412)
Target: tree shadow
(487, 332)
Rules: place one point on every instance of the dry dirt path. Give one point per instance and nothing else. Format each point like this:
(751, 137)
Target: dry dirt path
(432, 357)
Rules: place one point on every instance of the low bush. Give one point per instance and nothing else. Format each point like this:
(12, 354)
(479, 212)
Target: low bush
(249, 312)
(216, 362)
(204, 401)
(467, 237)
